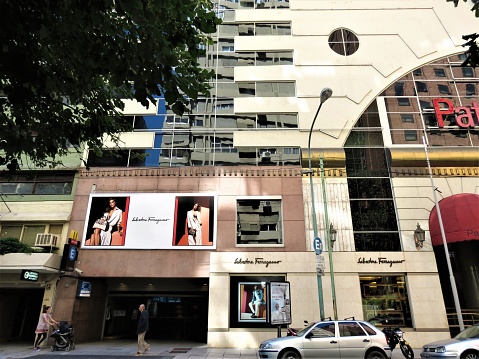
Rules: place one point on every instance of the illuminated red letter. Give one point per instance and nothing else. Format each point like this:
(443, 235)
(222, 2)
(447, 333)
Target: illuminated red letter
(464, 113)
(440, 112)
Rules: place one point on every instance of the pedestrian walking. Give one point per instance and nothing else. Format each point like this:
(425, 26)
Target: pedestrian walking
(42, 327)
(143, 327)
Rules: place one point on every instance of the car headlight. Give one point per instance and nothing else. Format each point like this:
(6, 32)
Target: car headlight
(266, 346)
(440, 349)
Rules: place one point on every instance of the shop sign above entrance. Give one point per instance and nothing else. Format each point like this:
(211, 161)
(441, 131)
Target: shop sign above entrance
(380, 260)
(464, 118)
(256, 260)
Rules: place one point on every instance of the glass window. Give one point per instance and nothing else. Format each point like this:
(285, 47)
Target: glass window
(399, 88)
(417, 72)
(44, 183)
(343, 42)
(444, 89)
(439, 72)
(259, 222)
(324, 330)
(350, 329)
(11, 231)
(25, 233)
(421, 86)
(467, 71)
(30, 233)
(403, 101)
(385, 300)
(407, 117)
(410, 135)
(377, 242)
(471, 90)
(275, 89)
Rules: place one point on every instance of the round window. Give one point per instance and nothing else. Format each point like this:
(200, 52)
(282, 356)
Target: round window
(343, 42)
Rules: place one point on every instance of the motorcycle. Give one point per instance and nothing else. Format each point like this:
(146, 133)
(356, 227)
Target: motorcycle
(293, 332)
(394, 336)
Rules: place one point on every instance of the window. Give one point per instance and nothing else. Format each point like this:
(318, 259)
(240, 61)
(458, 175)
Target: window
(242, 315)
(467, 71)
(39, 184)
(343, 42)
(444, 89)
(421, 86)
(350, 329)
(403, 101)
(324, 330)
(410, 135)
(417, 72)
(259, 222)
(264, 29)
(27, 233)
(399, 88)
(470, 89)
(385, 300)
(439, 72)
(407, 117)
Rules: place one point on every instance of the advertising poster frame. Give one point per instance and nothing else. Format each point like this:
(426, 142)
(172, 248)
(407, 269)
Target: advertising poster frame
(151, 221)
(279, 303)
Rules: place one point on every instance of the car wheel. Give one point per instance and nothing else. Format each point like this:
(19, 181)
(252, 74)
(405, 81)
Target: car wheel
(290, 354)
(470, 355)
(375, 355)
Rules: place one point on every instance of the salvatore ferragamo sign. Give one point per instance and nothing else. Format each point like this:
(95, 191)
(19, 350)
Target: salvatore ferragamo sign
(380, 260)
(256, 260)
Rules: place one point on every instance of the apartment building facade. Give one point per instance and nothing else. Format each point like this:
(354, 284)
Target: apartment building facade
(242, 154)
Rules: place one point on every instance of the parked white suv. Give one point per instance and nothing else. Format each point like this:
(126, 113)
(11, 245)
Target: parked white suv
(329, 339)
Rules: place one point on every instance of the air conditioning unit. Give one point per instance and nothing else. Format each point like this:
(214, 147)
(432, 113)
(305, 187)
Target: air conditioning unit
(265, 154)
(46, 240)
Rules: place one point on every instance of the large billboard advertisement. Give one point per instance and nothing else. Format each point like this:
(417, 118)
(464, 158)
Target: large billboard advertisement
(150, 221)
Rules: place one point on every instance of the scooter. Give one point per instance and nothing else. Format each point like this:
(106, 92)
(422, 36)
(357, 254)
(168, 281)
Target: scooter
(394, 336)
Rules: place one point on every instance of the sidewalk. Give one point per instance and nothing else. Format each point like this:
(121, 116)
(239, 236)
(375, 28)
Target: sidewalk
(115, 348)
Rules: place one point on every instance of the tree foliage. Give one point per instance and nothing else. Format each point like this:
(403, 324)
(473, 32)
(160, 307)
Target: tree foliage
(66, 65)
(475, 7)
(13, 245)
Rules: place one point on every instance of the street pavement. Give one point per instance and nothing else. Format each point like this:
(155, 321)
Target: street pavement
(120, 348)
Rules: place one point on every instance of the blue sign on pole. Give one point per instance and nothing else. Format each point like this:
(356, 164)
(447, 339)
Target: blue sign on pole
(318, 245)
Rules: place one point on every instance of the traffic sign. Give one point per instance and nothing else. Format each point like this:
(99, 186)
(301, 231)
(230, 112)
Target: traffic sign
(318, 245)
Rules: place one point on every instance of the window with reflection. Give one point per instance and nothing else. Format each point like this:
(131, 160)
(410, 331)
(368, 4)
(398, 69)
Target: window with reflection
(343, 42)
(58, 183)
(264, 29)
(259, 222)
(385, 300)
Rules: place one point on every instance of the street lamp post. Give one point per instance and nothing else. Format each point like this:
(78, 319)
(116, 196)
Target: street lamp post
(444, 242)
(329, 232)
(325, 94)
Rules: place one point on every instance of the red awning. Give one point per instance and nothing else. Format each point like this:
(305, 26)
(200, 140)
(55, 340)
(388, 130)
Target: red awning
(460, 218)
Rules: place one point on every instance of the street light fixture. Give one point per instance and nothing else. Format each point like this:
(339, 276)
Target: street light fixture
(324, 96)
(332, 234)
(419, 237)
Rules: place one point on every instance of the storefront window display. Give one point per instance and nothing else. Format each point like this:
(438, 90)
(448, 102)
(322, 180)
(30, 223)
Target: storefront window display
(248, 300)
(385, 300)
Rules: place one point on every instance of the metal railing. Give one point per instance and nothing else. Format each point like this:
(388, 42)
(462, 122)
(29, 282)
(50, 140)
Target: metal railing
(469, 317)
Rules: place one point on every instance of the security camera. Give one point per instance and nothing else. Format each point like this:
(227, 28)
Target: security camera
(78, 270)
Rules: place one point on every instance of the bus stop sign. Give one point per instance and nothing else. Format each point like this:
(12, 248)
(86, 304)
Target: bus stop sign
(318, 245)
